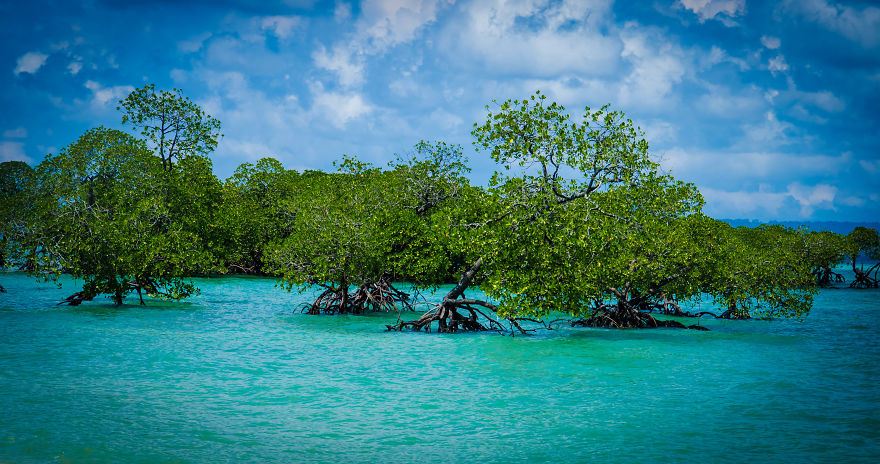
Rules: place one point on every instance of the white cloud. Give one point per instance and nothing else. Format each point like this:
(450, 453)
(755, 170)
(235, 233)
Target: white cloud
(564, 38)
(810, 198)
(281, 26)
(338, 108)
(823, 99)
(444, 120)
(657, 66)
(709, 9)
(342, 12)
(771, 42)
(102, 95)
(861, 25)
(762, 203)
(770, 133)
(717, 55)
(729, 103)
(852, 201)
(729, 169)
(30, 63)
(13, 151)
(382, 24)
(17, 133)
(385, 23)
(404, 87)
(348, 68)
(767, 204)
(74, 67)
(871, 166)
(777, 64)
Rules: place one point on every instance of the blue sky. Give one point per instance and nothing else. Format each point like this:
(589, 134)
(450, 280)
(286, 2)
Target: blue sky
(771, 108)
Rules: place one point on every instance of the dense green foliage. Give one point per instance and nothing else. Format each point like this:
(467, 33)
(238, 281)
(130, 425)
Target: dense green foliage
(577, 222)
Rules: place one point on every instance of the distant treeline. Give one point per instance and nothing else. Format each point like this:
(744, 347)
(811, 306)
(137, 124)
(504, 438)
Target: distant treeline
(577, 222)
(838, 227)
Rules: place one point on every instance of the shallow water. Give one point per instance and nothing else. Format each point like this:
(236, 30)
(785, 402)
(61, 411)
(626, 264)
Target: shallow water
(237, 375)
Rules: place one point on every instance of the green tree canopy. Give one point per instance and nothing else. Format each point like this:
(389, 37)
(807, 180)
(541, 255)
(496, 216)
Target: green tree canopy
(174, 126)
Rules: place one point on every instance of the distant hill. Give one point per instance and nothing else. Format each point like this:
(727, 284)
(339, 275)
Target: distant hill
(834, 226)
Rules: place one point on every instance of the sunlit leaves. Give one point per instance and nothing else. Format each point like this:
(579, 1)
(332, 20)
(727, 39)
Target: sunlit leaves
(175, 126)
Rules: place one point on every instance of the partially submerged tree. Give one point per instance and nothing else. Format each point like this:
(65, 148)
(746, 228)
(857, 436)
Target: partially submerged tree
(101, 218)
(761, 273)
(863, 241)
(825, 250)
(544, 229)
(364, 227)
(335, 241)
(124, 217)
(581, 223)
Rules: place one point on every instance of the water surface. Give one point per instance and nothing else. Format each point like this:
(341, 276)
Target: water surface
(238, 375)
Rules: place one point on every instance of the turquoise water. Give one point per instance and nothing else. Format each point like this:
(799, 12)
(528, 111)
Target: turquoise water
(237, 375)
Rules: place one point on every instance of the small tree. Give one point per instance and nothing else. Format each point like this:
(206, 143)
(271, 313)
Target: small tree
(824, 250)
(101, 216)
(863, 241)
(174, 126)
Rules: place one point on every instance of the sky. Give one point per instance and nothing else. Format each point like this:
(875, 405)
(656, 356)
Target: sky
(772, 108)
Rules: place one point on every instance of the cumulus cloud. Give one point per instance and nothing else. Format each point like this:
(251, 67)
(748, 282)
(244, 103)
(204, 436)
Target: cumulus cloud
(13, 151)
(810, 198)
(860, 25)
(870, 166)
(102, 95)
(491, 35)
(768, 133)
(385, 23)
(382, 24)
(657, 66)
(342, 12)
(74, 67)
(771, 42)
(777, 64)
(281, 26)
(709, 9)
(766, 203)
(761, 203)
(728, 169)
(342, 60)
(337, 107)
(30, 63)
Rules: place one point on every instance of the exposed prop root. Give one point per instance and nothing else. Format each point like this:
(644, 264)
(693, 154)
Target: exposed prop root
(141, 286)
(2, 290)
(826, 277)
(449, 318)
(623, 315)
(76, 299)
(378, 296)
(863, 278)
